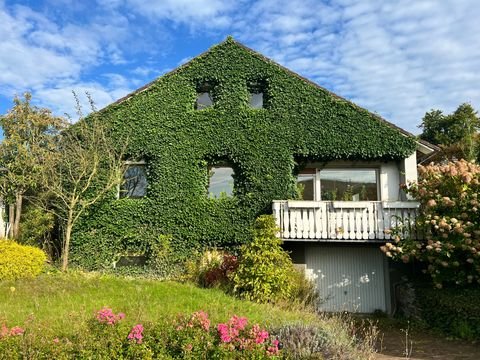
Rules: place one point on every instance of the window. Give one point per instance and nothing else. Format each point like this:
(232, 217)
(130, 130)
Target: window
(306, 186)
(135, 181)
(220, 182)
(257, 91)
(338, 184)
(349, 184)
(204, 96)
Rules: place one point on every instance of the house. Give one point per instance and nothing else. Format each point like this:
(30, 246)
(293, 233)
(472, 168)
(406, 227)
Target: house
(231, 135)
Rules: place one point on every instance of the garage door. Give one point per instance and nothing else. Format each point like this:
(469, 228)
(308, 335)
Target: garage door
(348, 278)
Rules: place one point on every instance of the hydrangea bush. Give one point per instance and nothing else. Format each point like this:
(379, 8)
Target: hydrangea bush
(449, 221)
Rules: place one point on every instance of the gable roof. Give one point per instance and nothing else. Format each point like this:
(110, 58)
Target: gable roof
(423, 146)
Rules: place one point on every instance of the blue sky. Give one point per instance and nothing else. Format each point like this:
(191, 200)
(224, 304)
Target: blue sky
(397, 58)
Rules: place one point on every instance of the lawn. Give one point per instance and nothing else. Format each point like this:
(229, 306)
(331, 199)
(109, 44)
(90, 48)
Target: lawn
(61, 303)
(56, 308)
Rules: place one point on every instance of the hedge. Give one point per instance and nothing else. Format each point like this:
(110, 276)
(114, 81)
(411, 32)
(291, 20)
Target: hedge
(20, 261)
(265, 147)
(453, 311)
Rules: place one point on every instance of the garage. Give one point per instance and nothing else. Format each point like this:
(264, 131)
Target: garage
(349, 278)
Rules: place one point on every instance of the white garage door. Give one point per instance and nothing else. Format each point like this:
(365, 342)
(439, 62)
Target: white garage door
(348, 278)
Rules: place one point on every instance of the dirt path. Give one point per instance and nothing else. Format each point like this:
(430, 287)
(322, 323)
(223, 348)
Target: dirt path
(424, 345)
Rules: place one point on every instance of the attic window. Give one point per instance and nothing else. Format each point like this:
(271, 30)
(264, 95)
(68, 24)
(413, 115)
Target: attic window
(220, 182)
(257, 91)
(135, 180)
(204, 96)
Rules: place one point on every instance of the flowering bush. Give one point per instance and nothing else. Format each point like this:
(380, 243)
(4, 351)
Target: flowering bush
(449, 219)
(136, 334)
(213, 268)
(194, 338)
(107, 316)
(14, 331)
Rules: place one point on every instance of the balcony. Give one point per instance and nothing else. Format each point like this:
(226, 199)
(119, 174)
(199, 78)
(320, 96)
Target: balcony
(346, 221)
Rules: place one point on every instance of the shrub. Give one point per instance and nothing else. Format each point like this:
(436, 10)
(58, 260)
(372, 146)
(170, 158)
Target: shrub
(19, 261)
(265, 270)
(36, 229)
(453, 311)
(213, 268)
(449, 219)
(304, 293)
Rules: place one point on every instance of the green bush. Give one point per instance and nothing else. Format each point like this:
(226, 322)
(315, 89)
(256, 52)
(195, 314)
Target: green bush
(109, 336)
(20, 261)
(304, 293)
(265, 270)
(453, 311)
(36, 229)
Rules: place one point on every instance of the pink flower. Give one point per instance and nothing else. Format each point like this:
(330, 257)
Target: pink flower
(224, 332)
(16, 331)
(273, 350)
(4, 331)
(199, 318)
(56, 340)
(107, 316)
(136, 334)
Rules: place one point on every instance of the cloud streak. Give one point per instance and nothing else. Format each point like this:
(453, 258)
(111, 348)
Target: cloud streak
(399, 59)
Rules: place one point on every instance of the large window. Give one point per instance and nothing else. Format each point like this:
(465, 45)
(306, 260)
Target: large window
(135, 181)
(349, 184)
(338, 184)
(220, 182)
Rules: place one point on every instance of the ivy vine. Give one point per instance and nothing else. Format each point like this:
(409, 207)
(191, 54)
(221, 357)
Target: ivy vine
(300, 120)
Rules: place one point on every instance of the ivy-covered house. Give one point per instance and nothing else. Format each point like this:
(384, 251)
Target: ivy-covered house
(231, 135)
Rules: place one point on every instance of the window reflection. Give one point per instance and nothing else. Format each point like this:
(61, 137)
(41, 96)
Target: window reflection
(348, 184)
(221, 182)
(135, 182)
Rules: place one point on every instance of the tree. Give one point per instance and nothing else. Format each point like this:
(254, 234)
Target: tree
(30, 136)
(457, 133)
(449, 219)
(87, 168)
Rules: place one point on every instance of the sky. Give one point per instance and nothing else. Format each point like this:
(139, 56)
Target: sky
(397, 58)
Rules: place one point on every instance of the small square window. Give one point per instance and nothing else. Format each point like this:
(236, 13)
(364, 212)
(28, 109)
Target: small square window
(204, 96)
(135, 182)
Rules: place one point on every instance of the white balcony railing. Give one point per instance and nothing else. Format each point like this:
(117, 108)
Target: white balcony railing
(343, 220)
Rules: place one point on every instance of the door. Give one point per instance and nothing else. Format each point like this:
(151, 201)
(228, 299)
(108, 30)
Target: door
(348, 278)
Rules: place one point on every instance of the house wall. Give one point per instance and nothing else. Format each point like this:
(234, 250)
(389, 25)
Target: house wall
(178, 143)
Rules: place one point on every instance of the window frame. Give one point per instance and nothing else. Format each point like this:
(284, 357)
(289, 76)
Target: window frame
(317, 188)
(127, 164)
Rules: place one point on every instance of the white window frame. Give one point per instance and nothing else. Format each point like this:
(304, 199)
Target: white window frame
(317, 188)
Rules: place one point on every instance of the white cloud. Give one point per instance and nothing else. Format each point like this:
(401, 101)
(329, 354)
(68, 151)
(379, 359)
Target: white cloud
(396, 58)
(62, 101)
(207, 13)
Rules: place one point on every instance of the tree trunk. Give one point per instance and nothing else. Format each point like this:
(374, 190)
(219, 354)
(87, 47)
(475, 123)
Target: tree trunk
(66, 243)
(11, 219)
(18, 214)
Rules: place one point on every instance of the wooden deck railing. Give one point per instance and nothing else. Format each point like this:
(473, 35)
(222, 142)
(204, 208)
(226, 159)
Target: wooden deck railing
(359, 221)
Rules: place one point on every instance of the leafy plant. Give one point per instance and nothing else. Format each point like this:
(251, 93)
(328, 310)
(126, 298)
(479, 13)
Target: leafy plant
(264, 270)
(449, 220)
(20, 261)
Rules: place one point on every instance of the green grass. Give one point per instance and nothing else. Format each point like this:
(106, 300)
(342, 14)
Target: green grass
(62, 303)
